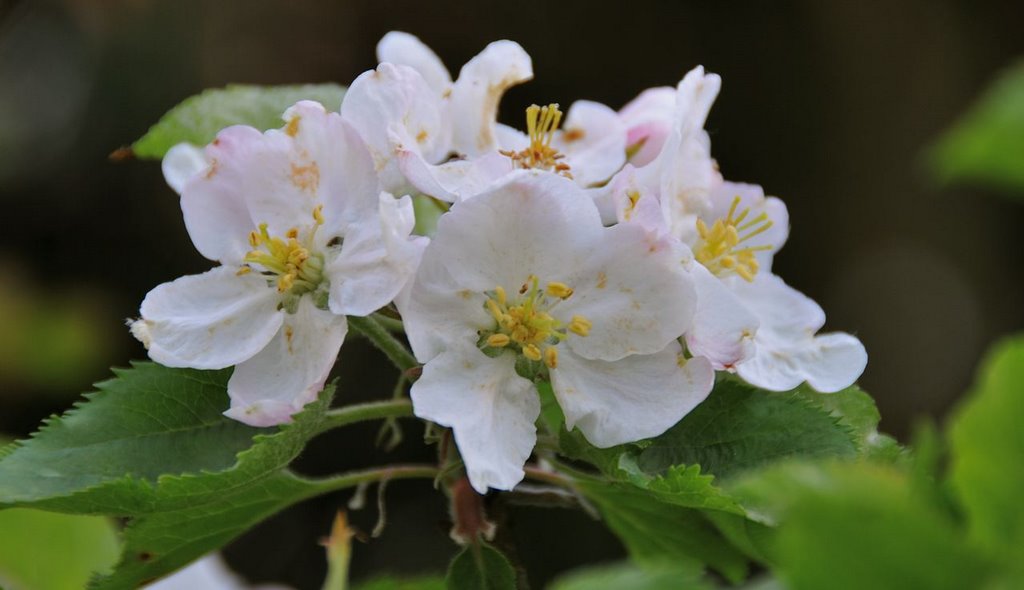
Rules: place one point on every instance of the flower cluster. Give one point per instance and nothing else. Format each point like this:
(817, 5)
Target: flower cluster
(598, 251)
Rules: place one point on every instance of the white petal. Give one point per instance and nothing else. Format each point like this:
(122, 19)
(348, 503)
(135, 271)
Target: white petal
(788, 352)
(834, 362)
(477, 92)
(529, 223)
(489, 407)
(594, 142)
(648, 119)
(394, 108)
(684, 170)
(635, 292)
(404, 49)
(378, 257)
(785, 313)
(209, 321)
(723, 328)
(209, 572)
(289, 372)
(214, 204)
(181, 163)
(345, 179)
(456, 180)
(629, 399)
(438, 312)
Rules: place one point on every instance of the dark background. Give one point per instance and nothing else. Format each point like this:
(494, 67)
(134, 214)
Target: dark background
(829, 105)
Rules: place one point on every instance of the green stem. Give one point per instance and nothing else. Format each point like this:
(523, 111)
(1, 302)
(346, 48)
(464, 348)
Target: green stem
(393, 408)
(382, 339)
(537, 474)
(389, 324)
(354, 478)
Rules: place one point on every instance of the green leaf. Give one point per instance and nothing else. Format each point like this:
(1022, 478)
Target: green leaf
(855, 409)
(480, 567)
(656, 532)
(626, 576)
(987, 144)
(198, 119)
(105, 455)
(860, 525)
(392, 583)
(987, 444)
(159, 543)
(153, 445)
(739, 427)
(46, 551)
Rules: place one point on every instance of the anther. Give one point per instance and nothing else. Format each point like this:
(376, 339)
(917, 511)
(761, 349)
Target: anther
(560, 290)
(498, 340)
(551, 357)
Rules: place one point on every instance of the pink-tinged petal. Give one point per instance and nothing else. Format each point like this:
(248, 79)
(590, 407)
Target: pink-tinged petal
(684, 171)
(456, 180)
(593, 140)
(208, 321)
(377, 259)
(404, 49)
(490, 409)
(181, 163)
(723, 328)
(289, 372)
(648, 119)
(530, 222)
(478, 90)
(634, 291)
(630, 399)
(214, 204)
(394, 108)
(329, 165)
(788, 351)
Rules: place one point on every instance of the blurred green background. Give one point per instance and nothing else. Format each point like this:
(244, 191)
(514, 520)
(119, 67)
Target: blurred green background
(829, 105)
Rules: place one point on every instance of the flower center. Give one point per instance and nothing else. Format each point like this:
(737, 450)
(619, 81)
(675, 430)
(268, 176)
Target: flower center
(526, 324)
(290, 263)
(721, 248)
(541, 124)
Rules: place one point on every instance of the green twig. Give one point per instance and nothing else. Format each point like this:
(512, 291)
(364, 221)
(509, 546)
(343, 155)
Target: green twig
(382, 339)
(354, 478)
(389, 324)
(393, 408)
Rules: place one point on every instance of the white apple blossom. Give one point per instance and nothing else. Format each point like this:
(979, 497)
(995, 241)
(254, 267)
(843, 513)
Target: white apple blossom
(723, 328)
(525, 279)
(743, 231)
(304, 237)
(683, 173)
(649, 121)
(747, 319)
(470, 103)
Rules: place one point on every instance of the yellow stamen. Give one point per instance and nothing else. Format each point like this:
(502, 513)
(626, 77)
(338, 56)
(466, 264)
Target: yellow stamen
(532, 352)
(299, 270)
(551, 357)
(541, 125)
(498, 340)
(720, 249)
(560, 290)
(580, 325)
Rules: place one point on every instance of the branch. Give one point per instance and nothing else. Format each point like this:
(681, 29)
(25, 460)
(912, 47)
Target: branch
(385, 341)
(393, 408)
